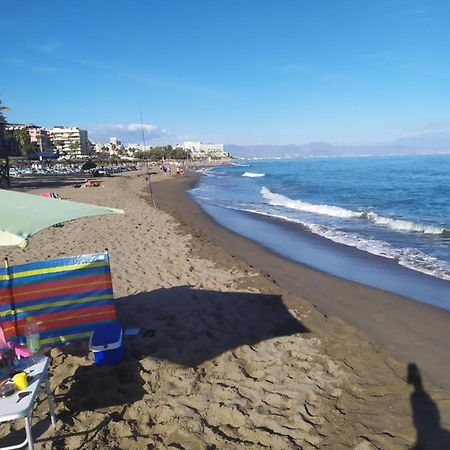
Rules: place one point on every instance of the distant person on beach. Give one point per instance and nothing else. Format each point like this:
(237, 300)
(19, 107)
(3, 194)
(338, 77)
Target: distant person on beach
(89, 183)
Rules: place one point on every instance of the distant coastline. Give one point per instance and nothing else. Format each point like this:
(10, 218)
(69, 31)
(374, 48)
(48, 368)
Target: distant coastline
(325, 149)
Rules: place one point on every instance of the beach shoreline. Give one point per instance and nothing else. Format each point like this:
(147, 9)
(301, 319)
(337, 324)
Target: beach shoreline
(389, 320)
(228, 354)
(296, 243)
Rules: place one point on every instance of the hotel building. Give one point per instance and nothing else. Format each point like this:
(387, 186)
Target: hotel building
(199, 150)
(69, 140)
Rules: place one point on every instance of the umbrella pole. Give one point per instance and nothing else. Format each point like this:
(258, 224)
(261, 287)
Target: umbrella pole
(13, 306)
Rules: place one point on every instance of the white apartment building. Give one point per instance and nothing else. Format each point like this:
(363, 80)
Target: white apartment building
(199, 150)
(69, 140)
(115, 141)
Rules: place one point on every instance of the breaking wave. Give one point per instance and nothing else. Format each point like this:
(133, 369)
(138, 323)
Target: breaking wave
(281, 200)
(336, 211)
(407, 257)
(253, 174)
(403, 225)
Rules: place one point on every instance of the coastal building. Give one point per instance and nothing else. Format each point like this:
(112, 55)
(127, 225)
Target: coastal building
(115, 141)
(113, 148)
(132, 147)
(101, 150)
(37, 134)
(70, 141)
(199, 150)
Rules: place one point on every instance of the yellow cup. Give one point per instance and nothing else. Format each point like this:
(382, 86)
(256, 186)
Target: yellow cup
(21, 381)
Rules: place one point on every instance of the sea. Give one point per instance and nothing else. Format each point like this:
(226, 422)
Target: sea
(383, 221)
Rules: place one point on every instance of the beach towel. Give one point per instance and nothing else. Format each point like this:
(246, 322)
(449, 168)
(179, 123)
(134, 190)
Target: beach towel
(50, 195)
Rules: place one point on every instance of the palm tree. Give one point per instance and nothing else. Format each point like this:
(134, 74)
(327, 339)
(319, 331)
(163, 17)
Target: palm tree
(3, 109)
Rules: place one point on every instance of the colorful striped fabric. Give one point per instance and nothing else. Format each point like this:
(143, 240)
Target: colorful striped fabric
(67, 297)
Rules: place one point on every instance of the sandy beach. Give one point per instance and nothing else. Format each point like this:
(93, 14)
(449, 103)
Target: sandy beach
(238, 348)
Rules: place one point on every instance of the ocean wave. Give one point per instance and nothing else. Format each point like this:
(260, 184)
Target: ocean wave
(402, 225)
(202, 170)
(281, 200)
(253, 174)
(336, 211)
(407, 257)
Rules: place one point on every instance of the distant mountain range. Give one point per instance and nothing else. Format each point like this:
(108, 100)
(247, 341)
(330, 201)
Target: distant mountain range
(326, 149)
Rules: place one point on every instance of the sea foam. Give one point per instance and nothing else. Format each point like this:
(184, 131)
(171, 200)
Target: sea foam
(336, 211)
(402, 225)
(281, 200)
(253, 174)
(407, 257)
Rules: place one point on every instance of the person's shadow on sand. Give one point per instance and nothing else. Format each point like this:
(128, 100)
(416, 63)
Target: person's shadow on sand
(426, 418)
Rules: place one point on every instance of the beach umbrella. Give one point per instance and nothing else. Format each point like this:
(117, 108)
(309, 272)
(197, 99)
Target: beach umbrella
(23, 215)
(88, 165)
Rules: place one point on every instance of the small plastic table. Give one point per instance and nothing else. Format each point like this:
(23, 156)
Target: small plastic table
(20, 404)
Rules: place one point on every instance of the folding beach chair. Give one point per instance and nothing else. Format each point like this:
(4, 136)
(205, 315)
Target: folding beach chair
(67, 297)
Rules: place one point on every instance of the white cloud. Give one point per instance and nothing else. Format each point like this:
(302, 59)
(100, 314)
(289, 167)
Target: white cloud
(131, 132)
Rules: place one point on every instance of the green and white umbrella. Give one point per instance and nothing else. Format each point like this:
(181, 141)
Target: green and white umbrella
(23, 215)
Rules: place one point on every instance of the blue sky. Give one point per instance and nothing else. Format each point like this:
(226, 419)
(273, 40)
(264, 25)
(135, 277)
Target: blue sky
(236, 72)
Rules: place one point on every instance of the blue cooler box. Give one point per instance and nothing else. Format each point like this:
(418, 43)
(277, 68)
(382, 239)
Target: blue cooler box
(106, 344)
